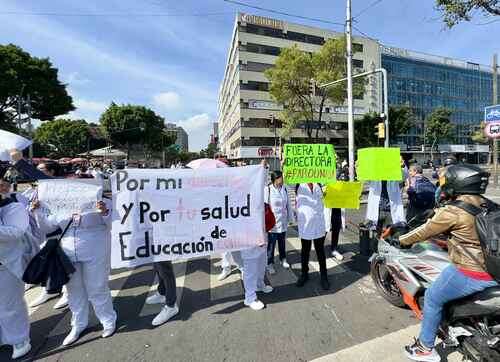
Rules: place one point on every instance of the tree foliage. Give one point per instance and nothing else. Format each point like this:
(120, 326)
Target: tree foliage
(32, 76)
(438, 127)
(401, 119)
(455, 11)
(290, 80)
(127, 125)
(64, 137)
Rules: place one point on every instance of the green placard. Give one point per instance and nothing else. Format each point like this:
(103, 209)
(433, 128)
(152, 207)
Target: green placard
(379, 164)
(309, 163)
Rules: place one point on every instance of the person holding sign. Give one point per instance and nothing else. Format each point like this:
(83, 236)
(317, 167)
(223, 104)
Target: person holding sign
(312, 229)
(87, 243)
(14, 257)
(276, 196)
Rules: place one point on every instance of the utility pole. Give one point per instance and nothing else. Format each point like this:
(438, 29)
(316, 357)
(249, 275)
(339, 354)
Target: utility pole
(30, 126)
(495, 101)
(350, 118)
(273, 125)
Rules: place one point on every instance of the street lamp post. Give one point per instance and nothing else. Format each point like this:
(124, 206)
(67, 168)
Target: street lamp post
(274, 129)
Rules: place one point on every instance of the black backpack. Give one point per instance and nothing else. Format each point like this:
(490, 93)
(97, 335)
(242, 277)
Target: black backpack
(488, 229)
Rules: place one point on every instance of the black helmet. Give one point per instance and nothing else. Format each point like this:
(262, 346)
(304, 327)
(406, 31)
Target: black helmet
(450, 160)
(464, 179)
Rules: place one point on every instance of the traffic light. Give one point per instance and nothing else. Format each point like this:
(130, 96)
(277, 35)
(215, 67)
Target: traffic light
(312, 87)
(380, 127)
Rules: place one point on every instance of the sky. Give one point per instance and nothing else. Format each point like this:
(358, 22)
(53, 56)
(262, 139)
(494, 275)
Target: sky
(171, 55)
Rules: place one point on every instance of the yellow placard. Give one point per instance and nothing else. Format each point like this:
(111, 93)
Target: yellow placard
(343, 195)
(379, 164)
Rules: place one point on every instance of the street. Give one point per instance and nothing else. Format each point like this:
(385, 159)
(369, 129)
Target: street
(349, 322)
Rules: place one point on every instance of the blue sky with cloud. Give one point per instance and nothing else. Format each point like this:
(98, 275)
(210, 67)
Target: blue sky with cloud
(131, 52)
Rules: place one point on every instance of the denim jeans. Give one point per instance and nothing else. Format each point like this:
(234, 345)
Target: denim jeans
(271, 245)
(450, 285)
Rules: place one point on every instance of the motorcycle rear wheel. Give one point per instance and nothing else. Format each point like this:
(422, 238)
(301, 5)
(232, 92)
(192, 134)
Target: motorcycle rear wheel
(385, 283)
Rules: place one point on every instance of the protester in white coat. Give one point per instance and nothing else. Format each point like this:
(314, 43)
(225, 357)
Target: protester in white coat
(87, 244)
(311, 222)
(276, 196)
(17, 247)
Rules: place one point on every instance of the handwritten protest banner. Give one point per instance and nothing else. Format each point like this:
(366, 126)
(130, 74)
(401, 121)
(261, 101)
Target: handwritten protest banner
(66, 197)
(343, 195)
(379, 164)
(172, 214)
(309, 163)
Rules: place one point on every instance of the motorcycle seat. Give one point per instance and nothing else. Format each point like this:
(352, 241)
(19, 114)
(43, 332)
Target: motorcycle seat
(486, 302)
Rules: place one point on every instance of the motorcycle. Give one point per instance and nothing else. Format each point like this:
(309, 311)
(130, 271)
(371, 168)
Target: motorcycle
(401, 276)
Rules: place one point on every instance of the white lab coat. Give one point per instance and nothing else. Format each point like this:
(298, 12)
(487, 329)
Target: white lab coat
(310, 212)
(17, 247)
(88, 246)
(395, 201)
(281, 206)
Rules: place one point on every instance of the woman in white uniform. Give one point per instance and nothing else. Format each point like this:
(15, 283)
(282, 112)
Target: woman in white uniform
(276, 196)
(312, 229)
(17, 247)
(88, 245)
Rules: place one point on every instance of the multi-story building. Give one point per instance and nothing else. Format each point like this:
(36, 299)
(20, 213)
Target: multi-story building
(214, 137)
(182, 139)
(245, 107)
(422, 82)
(425, 82)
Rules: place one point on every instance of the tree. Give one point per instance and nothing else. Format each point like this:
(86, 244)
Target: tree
(65, 137)
(438, 127)
(128, 125)
(24, 75)
(456, 11)
(210, 151)
(290, 83)
(401, 119)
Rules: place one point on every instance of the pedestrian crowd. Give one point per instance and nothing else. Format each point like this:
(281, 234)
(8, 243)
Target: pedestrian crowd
(26, 224)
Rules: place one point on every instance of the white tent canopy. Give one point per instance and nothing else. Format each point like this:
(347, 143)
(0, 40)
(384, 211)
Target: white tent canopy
(106, 152)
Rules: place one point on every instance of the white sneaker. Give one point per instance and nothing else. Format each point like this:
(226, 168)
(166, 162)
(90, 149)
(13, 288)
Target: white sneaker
(270, 269)
(28, 286)
(21, 349)
(73, 336)
(337, 255)
(62, 302)
(156, 298)
(224, 274)
(108, 332)
(265, 289)
(42, 298)
(285, 264)
(165, 314)
(255, 305)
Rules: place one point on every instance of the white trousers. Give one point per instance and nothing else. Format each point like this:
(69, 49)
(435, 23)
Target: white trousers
(90, 283)
(395, 201)
(14, 319)
(253, 275)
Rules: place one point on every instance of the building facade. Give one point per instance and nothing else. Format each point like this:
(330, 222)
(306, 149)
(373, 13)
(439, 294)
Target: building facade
(425, 82)
(245, 108)
(182, 138)
(422, 82)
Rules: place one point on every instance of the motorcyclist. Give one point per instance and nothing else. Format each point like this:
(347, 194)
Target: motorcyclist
(467, 274)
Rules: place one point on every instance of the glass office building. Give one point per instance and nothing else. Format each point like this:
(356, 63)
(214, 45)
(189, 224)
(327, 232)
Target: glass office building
(426, 82)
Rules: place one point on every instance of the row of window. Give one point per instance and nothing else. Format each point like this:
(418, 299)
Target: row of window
(264, 87)
(270, 141)
(291, 35)
(262, 67)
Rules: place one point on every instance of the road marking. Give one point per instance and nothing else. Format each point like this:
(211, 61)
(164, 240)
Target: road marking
(230, 287)
(388, 348)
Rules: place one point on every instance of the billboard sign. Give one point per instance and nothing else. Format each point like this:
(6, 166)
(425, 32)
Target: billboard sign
(492, 114)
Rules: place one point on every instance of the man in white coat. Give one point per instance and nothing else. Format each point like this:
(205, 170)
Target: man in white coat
(17, 247)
